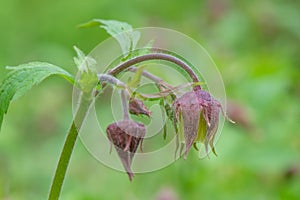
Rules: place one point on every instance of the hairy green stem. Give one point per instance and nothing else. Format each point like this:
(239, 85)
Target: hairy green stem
(68, 147)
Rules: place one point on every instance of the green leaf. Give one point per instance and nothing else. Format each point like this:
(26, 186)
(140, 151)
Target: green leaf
(83, 62)
(135, 81)
(87, 66)
(88, 81)
(22, 78)
(121, 31)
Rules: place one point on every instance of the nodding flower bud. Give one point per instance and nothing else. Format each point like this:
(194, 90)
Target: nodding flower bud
(197, 115)
(137, 107)
(126, 135)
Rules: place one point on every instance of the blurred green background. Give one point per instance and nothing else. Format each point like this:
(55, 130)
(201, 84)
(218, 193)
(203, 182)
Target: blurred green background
(256, 45)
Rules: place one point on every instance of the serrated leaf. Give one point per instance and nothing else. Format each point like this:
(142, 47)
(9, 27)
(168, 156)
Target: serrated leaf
(121, 31)
(84, 63)
(22, 78)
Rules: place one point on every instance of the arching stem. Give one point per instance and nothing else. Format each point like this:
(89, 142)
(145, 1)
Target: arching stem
(156, 56)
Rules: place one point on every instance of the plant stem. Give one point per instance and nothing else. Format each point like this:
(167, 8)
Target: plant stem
(124, 104)
(110, 79)
(68, 147)
(156, 56)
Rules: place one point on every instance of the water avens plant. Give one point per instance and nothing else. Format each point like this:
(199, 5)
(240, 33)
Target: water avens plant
(195, 114)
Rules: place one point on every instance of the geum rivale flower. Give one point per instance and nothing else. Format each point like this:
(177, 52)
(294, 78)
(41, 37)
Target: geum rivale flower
(126, 136)
(197, 117)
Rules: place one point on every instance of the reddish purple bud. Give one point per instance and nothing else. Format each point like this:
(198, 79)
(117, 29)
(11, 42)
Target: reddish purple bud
(126, 136)
(137, 107)
(198, 113)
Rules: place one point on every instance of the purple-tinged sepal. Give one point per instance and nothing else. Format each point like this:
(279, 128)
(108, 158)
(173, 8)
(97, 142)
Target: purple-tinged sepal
(126, 136)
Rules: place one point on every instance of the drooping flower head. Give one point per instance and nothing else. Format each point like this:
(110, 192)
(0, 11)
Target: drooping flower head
(197, 115)
(126, 135)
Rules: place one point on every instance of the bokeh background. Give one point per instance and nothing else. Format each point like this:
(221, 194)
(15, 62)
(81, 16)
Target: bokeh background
(256, 45)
